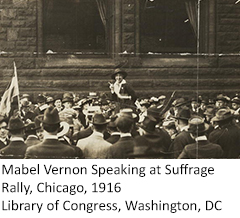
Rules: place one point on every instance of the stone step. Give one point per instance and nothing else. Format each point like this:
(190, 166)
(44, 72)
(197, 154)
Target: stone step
(33, 74)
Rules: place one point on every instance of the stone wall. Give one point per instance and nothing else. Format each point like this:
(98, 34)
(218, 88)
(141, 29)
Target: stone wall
(18, 26)
(228, 26)
(148, 75)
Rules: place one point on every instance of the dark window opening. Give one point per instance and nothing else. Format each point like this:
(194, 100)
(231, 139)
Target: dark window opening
(165, 27)
(74, 26)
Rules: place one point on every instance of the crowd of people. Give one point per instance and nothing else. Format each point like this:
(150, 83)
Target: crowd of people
(121, 126)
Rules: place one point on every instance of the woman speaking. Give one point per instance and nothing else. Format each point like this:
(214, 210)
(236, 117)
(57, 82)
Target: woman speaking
(121, 91)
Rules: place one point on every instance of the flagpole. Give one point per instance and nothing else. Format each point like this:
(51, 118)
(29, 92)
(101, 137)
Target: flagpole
(15, 74)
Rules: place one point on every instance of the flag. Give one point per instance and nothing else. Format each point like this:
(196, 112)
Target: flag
(10, 94)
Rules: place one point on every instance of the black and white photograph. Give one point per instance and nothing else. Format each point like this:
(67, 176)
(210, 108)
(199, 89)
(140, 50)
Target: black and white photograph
(120, 79)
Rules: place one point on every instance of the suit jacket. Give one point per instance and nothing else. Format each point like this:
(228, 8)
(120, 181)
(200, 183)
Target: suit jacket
(82, 119)
(154, 143)
(180, 141)
(228, 137)
(94, 146)
(200, 150)
(122, 148)
(15, 150)
(32, 140)
(66, 141)
(3, 145)
(50, 149)
(28, 116)
(113, 138)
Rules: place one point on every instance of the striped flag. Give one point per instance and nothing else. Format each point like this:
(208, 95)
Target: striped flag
(10, 95)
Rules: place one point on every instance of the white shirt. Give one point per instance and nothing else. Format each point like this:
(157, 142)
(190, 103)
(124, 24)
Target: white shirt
(201, 138)
(117, 86)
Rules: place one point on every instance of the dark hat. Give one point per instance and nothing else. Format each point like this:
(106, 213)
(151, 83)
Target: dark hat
(49, 99)
(119, 71)
(104, 102)
(210, 111)
(41, 99)
(31, 127)
(26, 103)
(92, 95)
(222, 114)
(195, 99)
(3, 119)
(58, 97)
(15, 123)
(183, 114)
(127, 112)
(153, 100)
(38, 120)
(84, 101)
(144, 102)
(25, 96)
(51, 116)
(179, 102)
(197, 124)
(161, 97)
(169, 124)
(124, 122)
(149, 124)
(113, 123)
(236, 100)
(99, 119)
(67, 97)
(222, 97)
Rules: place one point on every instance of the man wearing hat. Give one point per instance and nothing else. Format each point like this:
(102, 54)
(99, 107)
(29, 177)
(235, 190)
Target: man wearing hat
(161, 101)
(179, 104)
(94, 146)
(124, 146)
(4, 140)
(121, 91)
(152, 143)
(221, 101)
(236, 110)
(27, 115)
(50, 147)
(227, 134)
(16, 148)
(58, 102)
(50, 101)
(236, 105)
(31, 134)
(194, 106)
(42, 106)
(170, 127)
(202, 148)
(68, 114)
(183, 137)
(112, 129)
(143, 107)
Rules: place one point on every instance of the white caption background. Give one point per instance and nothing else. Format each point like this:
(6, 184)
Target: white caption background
(222, 186)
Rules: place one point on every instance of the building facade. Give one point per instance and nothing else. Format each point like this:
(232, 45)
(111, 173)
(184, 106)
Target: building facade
(164, 45)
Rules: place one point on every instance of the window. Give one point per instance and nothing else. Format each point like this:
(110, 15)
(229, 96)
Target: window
(75, 26)
(167, 26)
